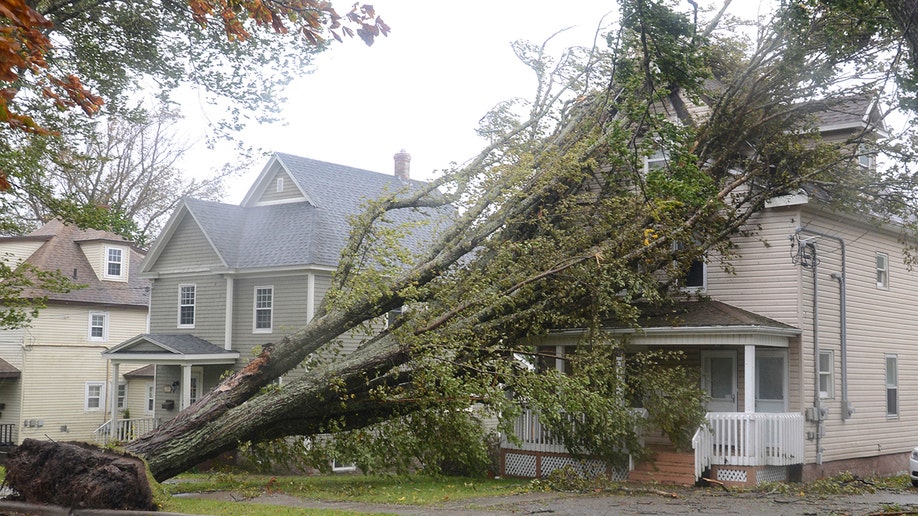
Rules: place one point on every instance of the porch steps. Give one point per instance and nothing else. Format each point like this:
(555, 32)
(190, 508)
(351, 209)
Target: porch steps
(665, 466)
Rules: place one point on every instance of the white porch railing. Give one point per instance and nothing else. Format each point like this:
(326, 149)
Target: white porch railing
(535, 437)
(749, 439)
(126, 429)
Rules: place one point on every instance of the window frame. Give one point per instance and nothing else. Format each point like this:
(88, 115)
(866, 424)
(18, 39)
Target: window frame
(279, 184)
(829, 374)
(149, 406)
(104, 327)
(182, 305)
(121, 397)
(892, 387)
(882, 272)
(100, 396)
(685, 287)
(269, 309)
(655, 161)
(121, 262)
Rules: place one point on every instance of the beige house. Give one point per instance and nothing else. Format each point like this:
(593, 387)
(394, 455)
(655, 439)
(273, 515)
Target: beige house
(804, 349)
(54, 383)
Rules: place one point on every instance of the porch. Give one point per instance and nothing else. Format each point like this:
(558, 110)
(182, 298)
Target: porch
(733, 447)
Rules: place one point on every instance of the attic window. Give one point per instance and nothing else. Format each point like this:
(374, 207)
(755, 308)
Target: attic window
(280, 184)
(865, 157)
(114, 262)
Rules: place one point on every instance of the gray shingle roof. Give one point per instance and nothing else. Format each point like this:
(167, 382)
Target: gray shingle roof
(705, 313)
(182, 344)
(300, 233)
(61, 252)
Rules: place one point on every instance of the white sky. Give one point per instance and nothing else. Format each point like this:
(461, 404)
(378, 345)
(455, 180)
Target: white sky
(423, 89)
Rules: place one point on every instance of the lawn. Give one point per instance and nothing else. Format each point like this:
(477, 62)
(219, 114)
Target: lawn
(413, 490)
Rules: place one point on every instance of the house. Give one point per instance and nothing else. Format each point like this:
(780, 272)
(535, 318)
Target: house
(803, 349)
(227, 279)
(53, 382)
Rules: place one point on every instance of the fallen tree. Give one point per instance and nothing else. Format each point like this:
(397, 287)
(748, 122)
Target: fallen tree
(561, 225)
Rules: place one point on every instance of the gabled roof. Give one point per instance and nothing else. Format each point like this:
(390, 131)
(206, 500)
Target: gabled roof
(170, 349)
(61, 252)
(312, 231)
(8, 371)
(853, 113)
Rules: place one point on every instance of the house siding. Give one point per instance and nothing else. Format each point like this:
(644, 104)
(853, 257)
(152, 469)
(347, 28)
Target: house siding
(879, 322)
(290, 191)
(188, 251)
(210, 303)
(18, 251)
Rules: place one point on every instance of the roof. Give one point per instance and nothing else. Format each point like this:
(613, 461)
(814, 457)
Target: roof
(61, 252)
(312, 231)
(146, 371)
(7, 370)
(856, 112)
(156, 348)
(706, 314)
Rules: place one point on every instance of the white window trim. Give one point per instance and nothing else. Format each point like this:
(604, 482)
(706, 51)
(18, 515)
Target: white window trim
(122, 262)
(255, 309)
(194, 306)
(650, 162)
(885, 270)
(894, 385)
(704, 273)
(830, 394)
(149, 399)
(104, 337)
(122, 399)
(101, 396)
(279, 185)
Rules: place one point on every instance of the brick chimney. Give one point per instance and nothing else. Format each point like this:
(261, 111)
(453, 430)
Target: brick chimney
(402, 165)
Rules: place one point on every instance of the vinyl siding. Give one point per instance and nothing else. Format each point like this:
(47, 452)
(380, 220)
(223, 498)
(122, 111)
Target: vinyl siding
(188, 250)
(17, 252)
(879, 322)
(290, 191)
(210, 302)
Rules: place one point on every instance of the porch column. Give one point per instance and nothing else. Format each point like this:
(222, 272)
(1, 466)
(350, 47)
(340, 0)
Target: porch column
(113, 402)
(186, 386)
(749, 379)
(228, 315)
(310, 296)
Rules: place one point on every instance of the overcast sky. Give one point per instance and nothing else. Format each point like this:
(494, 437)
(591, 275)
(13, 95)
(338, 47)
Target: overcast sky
(422, 89)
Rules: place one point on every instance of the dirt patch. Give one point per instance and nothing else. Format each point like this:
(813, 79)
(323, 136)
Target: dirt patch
(677, 501)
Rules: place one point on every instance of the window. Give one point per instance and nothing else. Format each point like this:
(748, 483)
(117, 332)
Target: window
(98, 326)
(114, 262)
(655, 161)
(695, 277)
(186, 306)
(882, 270)
(264, 309)
(95, 396)
(151, 398)
(892, 386)
(280, 184)
(865, 157)
(826, 376)
(122, 396)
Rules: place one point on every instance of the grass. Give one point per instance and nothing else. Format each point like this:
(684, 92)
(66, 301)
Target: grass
(413, 490)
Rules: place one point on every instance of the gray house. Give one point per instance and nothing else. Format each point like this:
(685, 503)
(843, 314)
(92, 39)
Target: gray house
(228, 279)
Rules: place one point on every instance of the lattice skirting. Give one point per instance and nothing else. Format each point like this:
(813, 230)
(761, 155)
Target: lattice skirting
(749, 475)
(536, 465)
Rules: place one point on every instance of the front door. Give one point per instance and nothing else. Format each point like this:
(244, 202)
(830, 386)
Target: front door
(719, 379)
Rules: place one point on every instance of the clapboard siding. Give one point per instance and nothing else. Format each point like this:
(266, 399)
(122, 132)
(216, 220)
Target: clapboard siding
(188, 250)
(210, 303)
(289, 310)
(879, 321)
(18, 251)
(68, 325)
(289, 192)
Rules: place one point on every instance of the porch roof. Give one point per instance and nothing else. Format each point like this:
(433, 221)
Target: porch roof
(693, 323)
(7, 370)
(165, 349)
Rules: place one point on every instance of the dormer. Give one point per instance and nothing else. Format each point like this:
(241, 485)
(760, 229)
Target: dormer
(110, 260)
